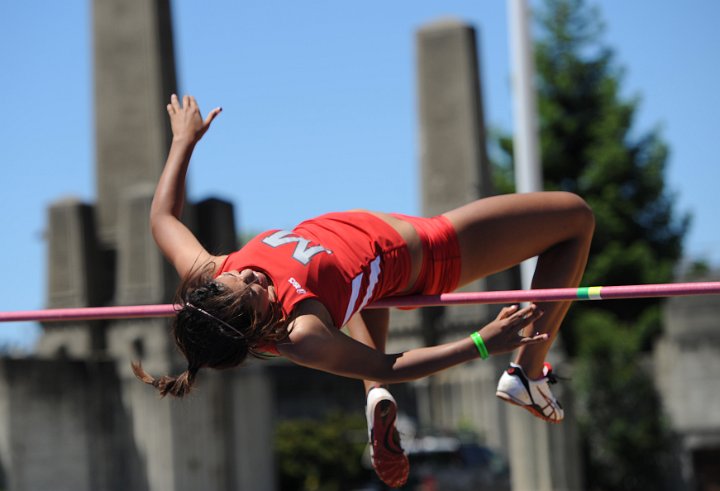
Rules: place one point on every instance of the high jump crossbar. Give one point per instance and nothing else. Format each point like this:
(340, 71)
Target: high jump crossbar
(506, 296)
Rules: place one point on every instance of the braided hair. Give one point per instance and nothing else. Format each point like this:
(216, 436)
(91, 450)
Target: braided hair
(215, 328)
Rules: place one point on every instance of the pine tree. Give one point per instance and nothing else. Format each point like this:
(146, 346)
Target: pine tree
(589, 147)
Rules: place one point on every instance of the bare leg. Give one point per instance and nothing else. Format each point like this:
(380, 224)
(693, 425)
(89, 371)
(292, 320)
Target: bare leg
(499, 232)
(389, 461)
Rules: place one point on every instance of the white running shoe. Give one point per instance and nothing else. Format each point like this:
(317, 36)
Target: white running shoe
(390, 462)
(534, 395)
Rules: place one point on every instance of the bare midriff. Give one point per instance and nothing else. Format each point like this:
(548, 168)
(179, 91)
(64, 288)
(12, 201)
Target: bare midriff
(411, 238)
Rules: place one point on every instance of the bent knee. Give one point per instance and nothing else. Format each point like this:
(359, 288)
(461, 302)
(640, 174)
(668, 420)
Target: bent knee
(581, 215)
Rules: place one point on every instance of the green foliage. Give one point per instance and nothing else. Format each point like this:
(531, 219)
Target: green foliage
(625, 438)
(589, 147)
(698, 269)
(320, 455)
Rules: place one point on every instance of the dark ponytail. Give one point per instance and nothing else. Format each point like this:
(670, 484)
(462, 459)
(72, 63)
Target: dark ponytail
(214, 328)
(175, 386)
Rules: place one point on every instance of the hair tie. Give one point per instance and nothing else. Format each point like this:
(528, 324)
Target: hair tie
(216, 319)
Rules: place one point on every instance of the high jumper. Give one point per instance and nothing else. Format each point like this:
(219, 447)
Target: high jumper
(289, 292)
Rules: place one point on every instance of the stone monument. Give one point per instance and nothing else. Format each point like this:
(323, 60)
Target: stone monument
(103, 428)
(456, 170)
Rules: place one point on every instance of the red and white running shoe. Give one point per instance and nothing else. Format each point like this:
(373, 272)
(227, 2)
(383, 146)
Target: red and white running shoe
(534, 395)
(390, 462)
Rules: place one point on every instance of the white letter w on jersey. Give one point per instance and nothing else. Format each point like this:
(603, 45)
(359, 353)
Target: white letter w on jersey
(302, 252)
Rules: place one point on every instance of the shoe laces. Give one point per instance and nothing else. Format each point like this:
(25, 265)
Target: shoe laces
(551, 377)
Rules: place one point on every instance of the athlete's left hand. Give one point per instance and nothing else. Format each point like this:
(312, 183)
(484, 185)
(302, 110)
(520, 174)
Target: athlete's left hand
(186, 120)
(505, 334)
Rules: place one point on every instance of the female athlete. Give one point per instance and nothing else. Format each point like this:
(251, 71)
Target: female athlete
(289, 292)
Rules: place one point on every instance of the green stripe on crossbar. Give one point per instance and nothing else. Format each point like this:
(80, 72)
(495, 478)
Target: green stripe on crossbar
(589, 293)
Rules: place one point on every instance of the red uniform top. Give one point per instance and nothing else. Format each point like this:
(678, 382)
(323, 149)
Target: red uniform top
(344, 260)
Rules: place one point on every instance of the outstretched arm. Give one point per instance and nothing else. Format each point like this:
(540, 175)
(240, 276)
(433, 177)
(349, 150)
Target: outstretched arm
(175, 240)
(370, 327)
(316, 345)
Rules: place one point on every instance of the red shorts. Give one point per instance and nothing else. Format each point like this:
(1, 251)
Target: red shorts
(440, 269)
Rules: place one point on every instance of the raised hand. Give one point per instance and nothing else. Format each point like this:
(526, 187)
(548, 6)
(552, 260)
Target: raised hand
(186, 120)
(505, 334)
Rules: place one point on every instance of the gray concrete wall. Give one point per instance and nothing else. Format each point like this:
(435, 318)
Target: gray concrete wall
(61, 428)
(687, 369)
(81, 425)
(217, 438)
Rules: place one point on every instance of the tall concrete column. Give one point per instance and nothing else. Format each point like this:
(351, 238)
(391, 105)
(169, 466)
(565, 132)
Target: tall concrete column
(143, 274)
(134, 68)
(253, 418)
(73, 279)
(545, 456)
(454, 163)
(77, 277)
(455, 171)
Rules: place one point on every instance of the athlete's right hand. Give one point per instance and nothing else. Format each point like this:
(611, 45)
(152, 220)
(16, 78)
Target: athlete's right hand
(504, 334)
(186, 120)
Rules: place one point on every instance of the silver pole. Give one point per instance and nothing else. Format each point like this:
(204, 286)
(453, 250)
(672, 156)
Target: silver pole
(528, 171)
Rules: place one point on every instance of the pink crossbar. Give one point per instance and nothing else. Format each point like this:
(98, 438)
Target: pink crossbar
(89, 313)
(554, 295)
(507, 296)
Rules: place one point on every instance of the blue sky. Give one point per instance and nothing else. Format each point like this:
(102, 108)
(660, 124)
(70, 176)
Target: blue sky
(319, 109)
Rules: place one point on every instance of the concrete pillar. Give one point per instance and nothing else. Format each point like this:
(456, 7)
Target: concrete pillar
(454, 162)
(252, 426)
(143, 274)
(144, 277)
(134, 67)
(107, 256)
(455, 171)
(544, 456)
(74, 278)
(78, 276)
(215, 226)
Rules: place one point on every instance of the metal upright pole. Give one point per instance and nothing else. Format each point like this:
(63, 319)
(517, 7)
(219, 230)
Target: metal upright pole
(528, 170)
(531, 467)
